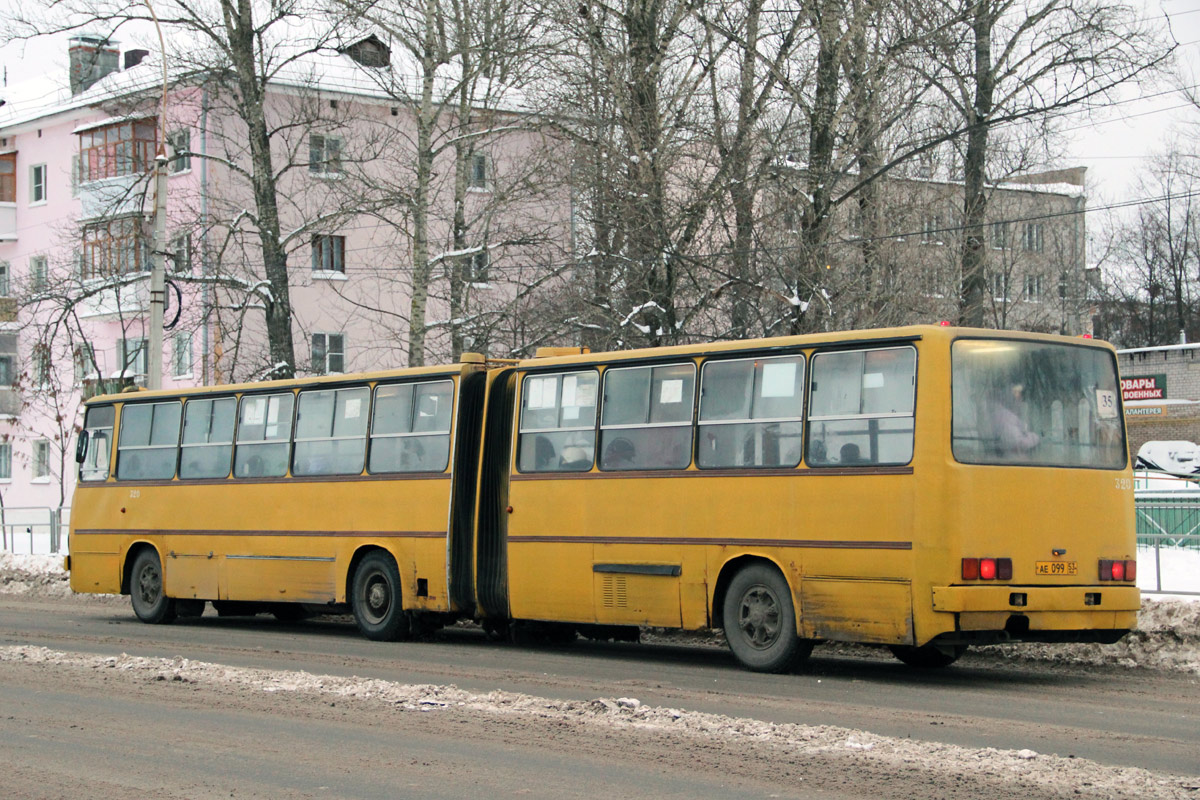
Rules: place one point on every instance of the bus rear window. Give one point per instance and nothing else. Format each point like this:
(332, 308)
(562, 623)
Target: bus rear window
(1035, 404)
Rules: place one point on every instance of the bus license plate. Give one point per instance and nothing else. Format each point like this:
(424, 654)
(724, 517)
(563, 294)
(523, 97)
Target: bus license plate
(1056, 568)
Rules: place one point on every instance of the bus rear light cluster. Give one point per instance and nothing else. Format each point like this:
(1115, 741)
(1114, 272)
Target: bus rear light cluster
(987, 569)
(1118, 570)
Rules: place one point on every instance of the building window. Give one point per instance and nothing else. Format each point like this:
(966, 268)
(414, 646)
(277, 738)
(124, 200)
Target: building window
(181, 253)
(1033, 287)
(126, 148)
(6, 371)
(478, 177)
(931, 228)
(8, 177)
(370, 52)
(324, 154)
(180, 142)
(38, 273)
(5, 461)
(42, 365)
(328, 253)
(115, 247)
(181, 355)
(5, 290)
(131, 355)
(328, 353)
(37, 183)
(999, 235)
(479, 267)
(84, 357)
(41, 459)
(1032, 237)
(999, 284)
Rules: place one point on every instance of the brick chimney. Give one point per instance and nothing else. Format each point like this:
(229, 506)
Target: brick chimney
(91, 57)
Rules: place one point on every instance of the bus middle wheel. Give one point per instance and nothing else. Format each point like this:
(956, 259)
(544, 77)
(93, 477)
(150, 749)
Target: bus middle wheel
(376, 600)
(146, 591)
(760, 621)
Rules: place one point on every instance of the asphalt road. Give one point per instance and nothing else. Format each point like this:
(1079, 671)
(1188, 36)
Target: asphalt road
(1117, 717)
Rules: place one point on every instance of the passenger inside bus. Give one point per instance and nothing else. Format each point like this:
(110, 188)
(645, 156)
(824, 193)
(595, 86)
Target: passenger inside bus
(1013, 435)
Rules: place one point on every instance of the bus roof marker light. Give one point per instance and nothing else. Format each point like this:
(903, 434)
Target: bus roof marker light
(945, 323)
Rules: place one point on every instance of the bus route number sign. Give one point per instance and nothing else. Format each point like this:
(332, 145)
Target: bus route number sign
(1056, 568)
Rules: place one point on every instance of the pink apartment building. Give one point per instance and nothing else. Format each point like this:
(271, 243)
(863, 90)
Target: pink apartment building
(77, 153)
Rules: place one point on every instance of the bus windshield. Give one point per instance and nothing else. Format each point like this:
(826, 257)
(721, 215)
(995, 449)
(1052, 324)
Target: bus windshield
(1036, 404)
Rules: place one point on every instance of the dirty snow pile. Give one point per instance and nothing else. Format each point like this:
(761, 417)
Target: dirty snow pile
(1167, 637)
(33, 574)
(793, 740)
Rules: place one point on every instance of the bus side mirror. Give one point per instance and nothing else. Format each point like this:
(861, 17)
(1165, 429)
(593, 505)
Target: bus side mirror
(81, 447)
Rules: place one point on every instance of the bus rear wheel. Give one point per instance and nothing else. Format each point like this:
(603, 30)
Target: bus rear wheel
(760, 621)
(375, 598)
(928, 656)
(146, 591)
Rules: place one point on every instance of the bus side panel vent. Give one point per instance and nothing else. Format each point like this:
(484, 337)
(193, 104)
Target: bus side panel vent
(613, 591)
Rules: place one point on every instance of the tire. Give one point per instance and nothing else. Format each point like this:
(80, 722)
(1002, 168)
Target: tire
(760, 621)
(146, 592)
(375, 598)
(928, 656)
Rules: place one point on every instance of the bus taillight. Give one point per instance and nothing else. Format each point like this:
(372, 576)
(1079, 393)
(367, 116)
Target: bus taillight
(1118, 570)
(988, 569)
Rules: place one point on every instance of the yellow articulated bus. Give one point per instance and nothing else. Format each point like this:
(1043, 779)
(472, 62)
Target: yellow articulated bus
(925, 488)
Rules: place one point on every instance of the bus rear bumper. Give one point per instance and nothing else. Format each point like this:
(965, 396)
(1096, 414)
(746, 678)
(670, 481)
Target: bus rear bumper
(1030, 599)
(984, 614)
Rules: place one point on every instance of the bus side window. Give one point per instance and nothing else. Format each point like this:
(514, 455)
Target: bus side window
(331, 431)
(149, 440)
(751, 412)
(558, 422)
(646, 420)
(410, 427)
(264, 436)
(99, 427)
(862, 406)
(207, 446)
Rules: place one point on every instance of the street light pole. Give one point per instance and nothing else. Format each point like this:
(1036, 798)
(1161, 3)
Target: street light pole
(154, 360)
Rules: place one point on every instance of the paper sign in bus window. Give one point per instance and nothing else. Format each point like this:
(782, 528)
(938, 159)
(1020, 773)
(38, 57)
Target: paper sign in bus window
(255, 411)
(873, 380)
(671, 392)
(779, 380)
(568, 393)
(428, 406)
(1106, 404)
(541, 392)
(353, 408)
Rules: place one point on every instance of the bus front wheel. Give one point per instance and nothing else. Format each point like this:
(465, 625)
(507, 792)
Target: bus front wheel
(146, 592)
(376, 599)
(928, 656)
(760, 621)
